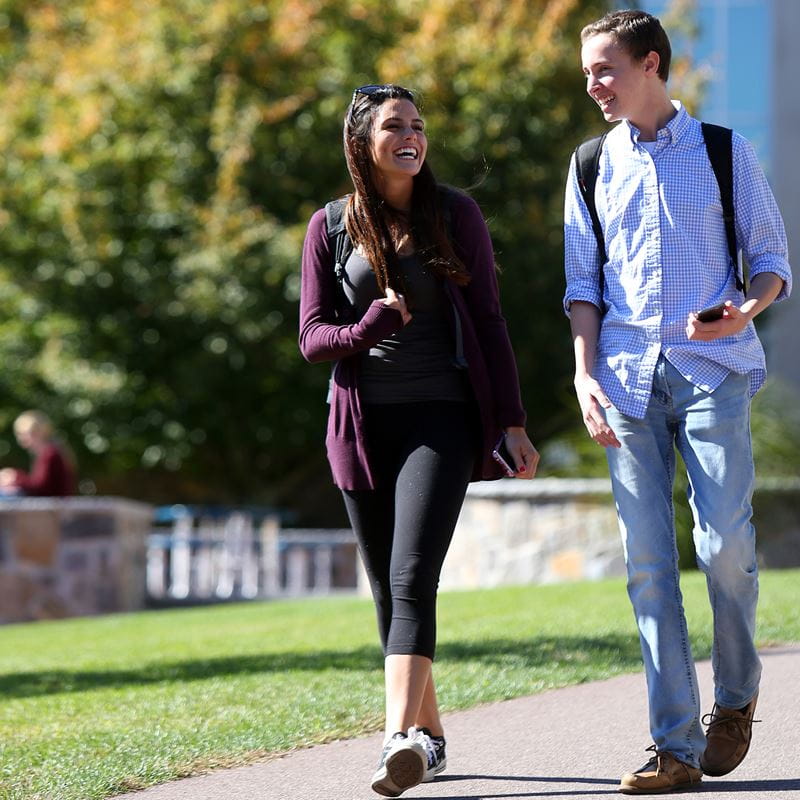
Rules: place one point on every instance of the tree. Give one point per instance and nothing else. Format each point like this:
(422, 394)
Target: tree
(160, 161)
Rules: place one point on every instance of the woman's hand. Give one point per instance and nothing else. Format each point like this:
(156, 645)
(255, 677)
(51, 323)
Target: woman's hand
(525, 455)
(398, 302)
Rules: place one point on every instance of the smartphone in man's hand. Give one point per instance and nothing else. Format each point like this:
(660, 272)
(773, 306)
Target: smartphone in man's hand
(712, 313)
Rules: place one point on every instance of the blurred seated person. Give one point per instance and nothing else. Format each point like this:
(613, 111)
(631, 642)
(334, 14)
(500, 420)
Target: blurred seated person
(53, 470)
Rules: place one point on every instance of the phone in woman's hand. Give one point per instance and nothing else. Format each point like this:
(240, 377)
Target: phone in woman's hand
(501, 455)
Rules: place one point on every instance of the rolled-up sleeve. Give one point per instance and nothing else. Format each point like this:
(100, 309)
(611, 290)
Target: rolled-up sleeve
(760, 231)
(581, 255)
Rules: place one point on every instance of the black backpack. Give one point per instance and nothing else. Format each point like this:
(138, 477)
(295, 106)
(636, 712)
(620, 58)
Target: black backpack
(719, 148)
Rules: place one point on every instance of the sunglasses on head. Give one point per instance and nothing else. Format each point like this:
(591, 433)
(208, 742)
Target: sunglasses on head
(377, 88)
(369, 89)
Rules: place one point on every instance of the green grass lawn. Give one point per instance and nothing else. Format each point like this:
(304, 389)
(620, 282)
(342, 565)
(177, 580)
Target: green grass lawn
(93, 707)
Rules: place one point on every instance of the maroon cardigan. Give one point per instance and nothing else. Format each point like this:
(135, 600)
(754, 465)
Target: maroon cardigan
(490, 360)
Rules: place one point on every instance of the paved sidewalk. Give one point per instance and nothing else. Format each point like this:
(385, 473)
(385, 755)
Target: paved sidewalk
(572, 742)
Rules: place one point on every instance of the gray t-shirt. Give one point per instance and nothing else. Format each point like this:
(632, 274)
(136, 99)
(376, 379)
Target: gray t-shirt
(417, 363)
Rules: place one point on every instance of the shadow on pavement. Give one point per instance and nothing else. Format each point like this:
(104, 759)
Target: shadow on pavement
(719, 787)
(785, 785)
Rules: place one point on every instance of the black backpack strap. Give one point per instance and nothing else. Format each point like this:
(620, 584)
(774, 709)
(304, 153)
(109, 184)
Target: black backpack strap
(341, 245)
(719, 147)
(587, 163)
(338, 238)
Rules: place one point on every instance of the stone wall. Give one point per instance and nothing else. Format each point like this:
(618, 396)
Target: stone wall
(74, 556)
(553, 529)
(541, 531)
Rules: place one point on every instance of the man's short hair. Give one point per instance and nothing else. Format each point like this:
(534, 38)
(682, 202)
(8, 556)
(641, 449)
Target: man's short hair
(638, 33)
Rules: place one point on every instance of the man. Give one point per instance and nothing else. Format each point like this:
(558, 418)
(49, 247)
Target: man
(650, 376)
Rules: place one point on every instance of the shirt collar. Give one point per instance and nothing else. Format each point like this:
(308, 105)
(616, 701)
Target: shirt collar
(672, 132)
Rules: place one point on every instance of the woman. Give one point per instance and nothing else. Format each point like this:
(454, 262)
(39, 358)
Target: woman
(52, 473)
(423, 387)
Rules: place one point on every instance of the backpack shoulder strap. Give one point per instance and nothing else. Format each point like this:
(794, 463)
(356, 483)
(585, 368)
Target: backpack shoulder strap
(338, 238)
(587, 163)
(719, 147)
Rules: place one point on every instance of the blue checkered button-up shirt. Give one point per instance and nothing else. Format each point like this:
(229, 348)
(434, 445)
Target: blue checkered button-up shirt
(668, 256)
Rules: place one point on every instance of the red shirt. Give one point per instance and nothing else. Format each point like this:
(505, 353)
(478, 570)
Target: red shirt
(52, 475)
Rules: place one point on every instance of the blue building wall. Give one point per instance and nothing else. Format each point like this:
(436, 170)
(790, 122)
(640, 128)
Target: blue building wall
(734, 46)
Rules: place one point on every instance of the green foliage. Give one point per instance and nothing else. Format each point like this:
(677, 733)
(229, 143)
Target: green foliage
(505, 98)
(159, 162)
(775, 423)
(95, 707)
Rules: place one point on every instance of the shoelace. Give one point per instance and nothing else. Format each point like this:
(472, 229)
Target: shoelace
(416, 735)
(430, 749)
(740, 724)
(655, 759)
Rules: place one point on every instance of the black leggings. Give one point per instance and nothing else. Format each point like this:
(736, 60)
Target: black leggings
(422, 456)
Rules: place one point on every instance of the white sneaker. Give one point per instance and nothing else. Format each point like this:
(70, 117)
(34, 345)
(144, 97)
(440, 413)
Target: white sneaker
(403, 764)
(434, 749)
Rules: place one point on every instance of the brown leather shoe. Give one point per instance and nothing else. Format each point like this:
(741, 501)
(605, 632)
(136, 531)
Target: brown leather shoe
(662, 773)
(727, 738)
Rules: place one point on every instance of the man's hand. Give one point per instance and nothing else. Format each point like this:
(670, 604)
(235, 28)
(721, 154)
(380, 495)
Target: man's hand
(585, 323)
(764, 288)
(733, 320)
(591, 399)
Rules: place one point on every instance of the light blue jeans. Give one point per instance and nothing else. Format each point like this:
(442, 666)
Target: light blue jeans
(712, 433)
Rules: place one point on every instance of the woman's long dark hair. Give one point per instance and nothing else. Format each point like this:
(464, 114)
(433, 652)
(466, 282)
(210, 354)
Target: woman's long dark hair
(369, 219)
